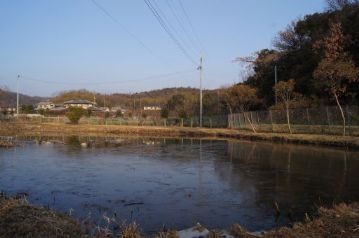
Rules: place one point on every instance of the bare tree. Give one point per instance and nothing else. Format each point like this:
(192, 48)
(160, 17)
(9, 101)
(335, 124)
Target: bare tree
(336, 71)
(241, 97)
(285, 92)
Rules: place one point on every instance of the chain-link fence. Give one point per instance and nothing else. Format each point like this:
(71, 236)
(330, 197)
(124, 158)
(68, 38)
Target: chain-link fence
(208, 121)
(318, 120)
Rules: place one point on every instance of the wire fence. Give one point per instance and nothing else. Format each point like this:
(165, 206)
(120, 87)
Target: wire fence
(318, 120)
(208, 121)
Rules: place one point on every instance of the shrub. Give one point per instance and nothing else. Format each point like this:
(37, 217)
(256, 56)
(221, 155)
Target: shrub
(119, 113)
(74, 114)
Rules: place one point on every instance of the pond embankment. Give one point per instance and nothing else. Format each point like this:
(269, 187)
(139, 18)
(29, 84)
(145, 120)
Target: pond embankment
(56, 129)
(20, 219)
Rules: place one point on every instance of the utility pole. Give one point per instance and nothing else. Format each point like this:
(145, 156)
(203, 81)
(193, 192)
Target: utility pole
(17, 95)
(275, 82)
(200, 91)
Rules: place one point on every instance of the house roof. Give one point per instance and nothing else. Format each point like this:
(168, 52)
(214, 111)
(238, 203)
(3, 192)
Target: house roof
(78, 101)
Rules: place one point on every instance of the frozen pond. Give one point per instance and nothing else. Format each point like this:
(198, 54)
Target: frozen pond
(179, 182)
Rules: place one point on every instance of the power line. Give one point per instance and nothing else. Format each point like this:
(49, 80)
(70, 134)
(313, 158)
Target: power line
(172, 28)
(180, 23)
(139, 41)
(190, 24)
(168, 32)
(108, 82)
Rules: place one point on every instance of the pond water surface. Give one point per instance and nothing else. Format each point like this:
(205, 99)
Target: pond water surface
(179, 182)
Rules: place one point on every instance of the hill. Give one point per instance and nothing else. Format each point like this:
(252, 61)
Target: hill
(8, 98)
(136, 100)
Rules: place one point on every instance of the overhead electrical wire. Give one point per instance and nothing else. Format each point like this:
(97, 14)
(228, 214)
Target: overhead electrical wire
(181, 24)
(139, 41)
(190, 24)
(165, 27)
(173, 29)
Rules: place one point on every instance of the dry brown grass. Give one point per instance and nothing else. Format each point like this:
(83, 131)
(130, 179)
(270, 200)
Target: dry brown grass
(167, 234)
(131, 230)
(19, 219)
(340, 221)
(56, 129)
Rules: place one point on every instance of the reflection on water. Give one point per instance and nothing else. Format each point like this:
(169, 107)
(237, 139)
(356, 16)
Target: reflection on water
(178, 182)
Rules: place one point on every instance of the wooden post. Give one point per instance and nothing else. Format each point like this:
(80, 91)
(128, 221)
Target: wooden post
(328, 120)
(181, 122)
(271, 119)
(348, 119)
(191, 122)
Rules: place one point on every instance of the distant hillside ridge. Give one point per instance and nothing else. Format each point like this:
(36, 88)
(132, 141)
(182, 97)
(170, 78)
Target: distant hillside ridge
(135, 100)
(8, 99)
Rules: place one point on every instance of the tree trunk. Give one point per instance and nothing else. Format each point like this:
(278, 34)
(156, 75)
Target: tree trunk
(250, 122)
(231, 123)
(288, 120)
(341, 111)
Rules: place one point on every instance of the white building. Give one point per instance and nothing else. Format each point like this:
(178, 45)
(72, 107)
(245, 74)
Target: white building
(45, 105)
(85, 104)
(152, 108)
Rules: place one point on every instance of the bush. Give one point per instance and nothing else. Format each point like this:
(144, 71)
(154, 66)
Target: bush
(165, 112)
(119, 113)
(74, 114)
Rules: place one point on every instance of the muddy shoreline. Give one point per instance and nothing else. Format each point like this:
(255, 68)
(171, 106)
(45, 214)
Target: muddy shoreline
(53, 129)
(18, 218)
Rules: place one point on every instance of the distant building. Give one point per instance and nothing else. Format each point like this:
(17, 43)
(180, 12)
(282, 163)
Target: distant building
(58, 109)
(104, 109)
(45, 105)
(152, 108)
(85, 104)
(116, 109)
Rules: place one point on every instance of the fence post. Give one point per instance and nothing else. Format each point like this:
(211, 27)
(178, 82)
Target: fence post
(328, 120)
(348, 119)
(271, 119)
(181, 122)
(191, 122)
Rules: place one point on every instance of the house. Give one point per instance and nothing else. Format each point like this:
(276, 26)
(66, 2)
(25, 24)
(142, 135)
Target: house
(152, 108)
(117, 108)
(85, 104)
(45, 105)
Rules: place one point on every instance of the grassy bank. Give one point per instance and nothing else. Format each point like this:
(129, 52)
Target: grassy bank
(52, 129)
(20, 219)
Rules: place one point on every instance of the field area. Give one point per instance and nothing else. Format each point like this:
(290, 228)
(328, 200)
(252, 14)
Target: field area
(55, 129)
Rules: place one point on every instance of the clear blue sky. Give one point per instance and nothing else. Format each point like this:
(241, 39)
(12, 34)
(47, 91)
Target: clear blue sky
(75, 45)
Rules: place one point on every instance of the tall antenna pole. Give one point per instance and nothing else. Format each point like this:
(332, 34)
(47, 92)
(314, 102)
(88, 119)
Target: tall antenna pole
(275, 83)
(17, 94)
(200, 91)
